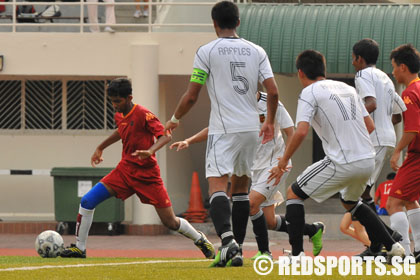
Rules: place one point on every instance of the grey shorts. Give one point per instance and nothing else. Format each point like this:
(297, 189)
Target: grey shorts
(231, 154)
(383, 153)
(269, 190)
(325, 178)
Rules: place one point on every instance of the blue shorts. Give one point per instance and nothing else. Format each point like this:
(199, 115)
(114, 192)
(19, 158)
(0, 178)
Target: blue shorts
(381, 211)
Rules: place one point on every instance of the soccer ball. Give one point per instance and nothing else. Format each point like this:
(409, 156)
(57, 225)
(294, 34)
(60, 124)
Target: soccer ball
(49, 244)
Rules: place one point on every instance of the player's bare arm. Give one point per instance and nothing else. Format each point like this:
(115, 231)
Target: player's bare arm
(396, 118)
(267, 129)
(97, 155)
(161, 141)
(404, 142)
(288, 131)
(196, 138)
(370, 125)
(370, 104)
(185, 104)
(291, 147)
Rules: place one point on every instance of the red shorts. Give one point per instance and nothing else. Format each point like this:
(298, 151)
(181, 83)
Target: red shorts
(406, 185)
(126, 180)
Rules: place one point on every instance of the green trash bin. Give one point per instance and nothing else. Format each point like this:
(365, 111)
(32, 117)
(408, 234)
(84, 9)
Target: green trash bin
(71, 183)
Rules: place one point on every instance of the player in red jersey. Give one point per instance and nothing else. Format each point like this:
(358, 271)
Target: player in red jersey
(405, 190)
(137, 172)
(382, 193)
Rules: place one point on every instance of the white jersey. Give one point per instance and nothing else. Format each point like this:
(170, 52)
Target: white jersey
(234, 67)
(337, 114)
(267, 154)
(375, 83)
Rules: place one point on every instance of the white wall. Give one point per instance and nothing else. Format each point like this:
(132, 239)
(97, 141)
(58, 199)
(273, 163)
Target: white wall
(31, 197)
(140, 56)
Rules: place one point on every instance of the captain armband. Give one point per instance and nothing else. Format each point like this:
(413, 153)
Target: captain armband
(199, 76)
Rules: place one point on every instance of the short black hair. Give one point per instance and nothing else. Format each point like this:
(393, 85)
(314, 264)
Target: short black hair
(391, 176)
(368, 49)
(120, 87)
(225, 14)
(312, 63)
(408, 55)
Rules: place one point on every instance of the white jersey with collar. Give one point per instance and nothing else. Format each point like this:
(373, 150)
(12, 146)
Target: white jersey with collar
(234, 67)
(267, 154)
(337, 114)
(375, 83)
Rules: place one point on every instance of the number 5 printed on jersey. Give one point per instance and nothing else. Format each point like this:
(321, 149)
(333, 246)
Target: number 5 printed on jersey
(239, 78)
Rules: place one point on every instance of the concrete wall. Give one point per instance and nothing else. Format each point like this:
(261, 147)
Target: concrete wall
(159, 65)
(141, 57)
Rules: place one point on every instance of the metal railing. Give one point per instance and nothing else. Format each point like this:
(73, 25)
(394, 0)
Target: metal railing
(153, 7)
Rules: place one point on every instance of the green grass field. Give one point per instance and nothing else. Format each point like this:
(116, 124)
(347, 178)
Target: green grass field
(140, 268)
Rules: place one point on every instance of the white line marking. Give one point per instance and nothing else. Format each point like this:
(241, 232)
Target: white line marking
(41, 172)
(95, 264)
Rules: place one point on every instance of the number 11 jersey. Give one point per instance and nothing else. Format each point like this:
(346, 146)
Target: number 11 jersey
(234, 67)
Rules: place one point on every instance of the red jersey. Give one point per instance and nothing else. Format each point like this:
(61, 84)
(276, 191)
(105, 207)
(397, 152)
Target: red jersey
(383, 192)
(411, 97)
(138, 130)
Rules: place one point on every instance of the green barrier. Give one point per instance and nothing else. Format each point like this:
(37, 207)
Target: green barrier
(71, 183)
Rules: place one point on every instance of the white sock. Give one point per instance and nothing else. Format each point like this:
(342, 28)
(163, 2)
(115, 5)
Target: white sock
(84, 221)
(399, 222)
(414, 219)
(187, 230)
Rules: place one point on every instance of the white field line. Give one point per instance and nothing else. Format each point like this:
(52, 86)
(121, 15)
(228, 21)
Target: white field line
(95, 264)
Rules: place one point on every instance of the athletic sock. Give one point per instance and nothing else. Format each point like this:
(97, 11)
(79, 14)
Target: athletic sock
(399, 222)
(295, 217)
(371, 203)
(375, 245)
(187, 230)
(310, 230)
(259, 226)
(84, 221)
(240, 216)
(375, 229)
(220, 215)
(281, 224)
(413, 216)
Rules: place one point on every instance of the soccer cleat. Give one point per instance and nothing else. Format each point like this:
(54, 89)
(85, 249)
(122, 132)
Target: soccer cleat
(225, 254)
(205, 246)
(216, 260)
(368, 253)
(256, 255)
(316, 239)
(265, 254)
(238, 259)
(73, 252)
(146, 13)
(396, 250)
(295, 259)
